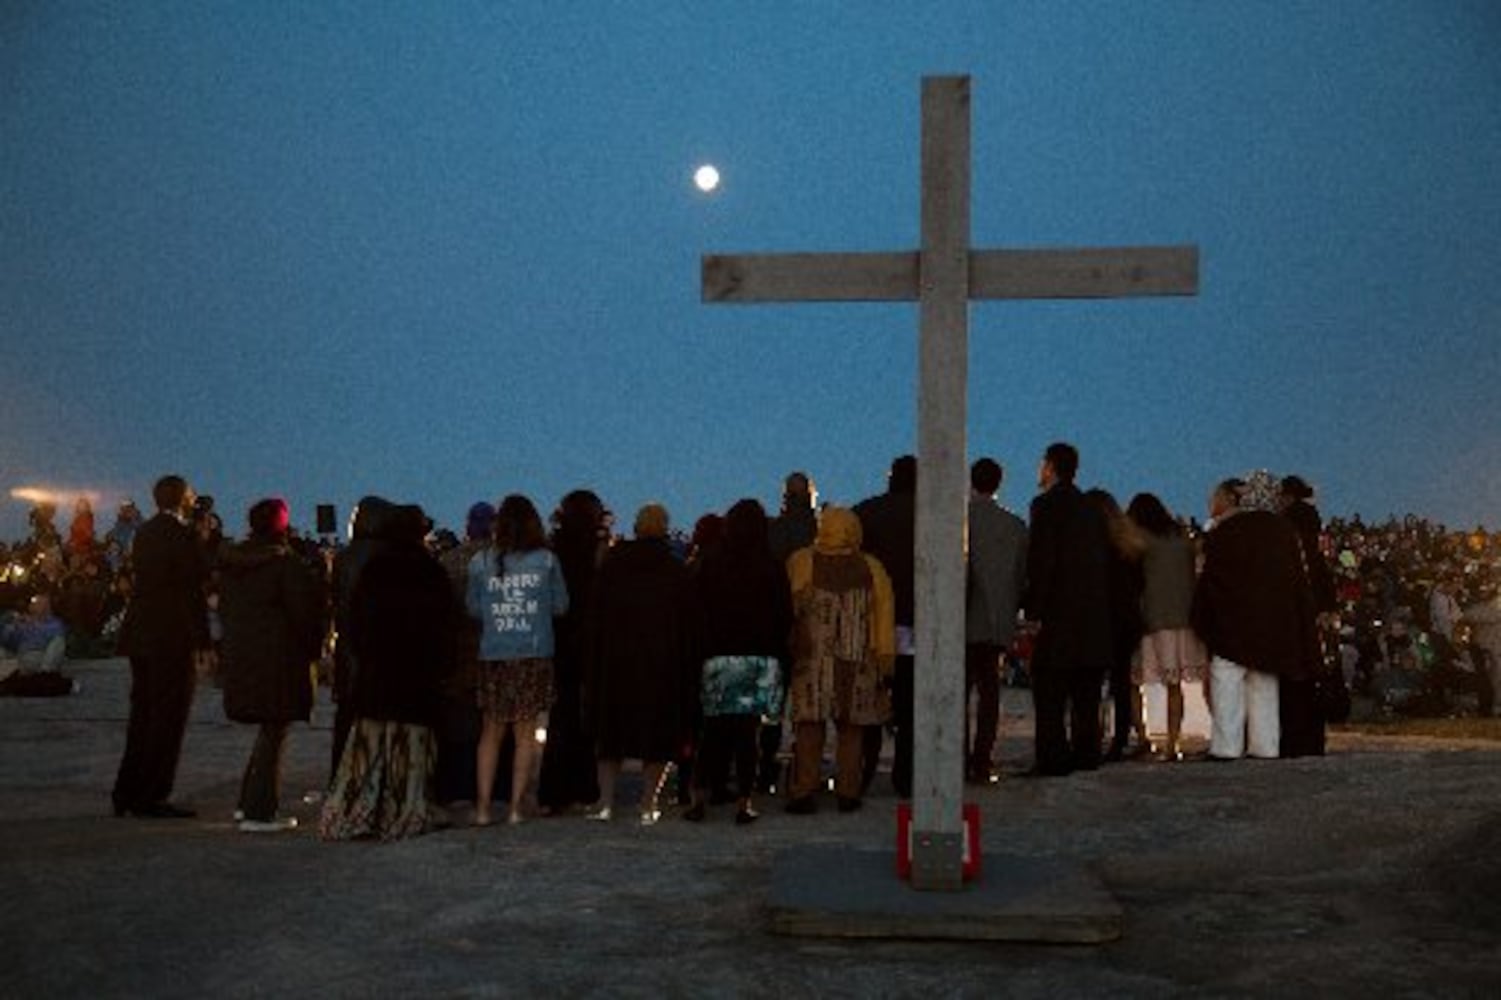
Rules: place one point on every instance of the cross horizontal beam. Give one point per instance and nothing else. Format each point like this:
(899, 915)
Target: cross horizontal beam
(1093, 273)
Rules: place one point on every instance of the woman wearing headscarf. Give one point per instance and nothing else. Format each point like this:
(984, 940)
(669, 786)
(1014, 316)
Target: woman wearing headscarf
(272, 604)
(515, 589)
(746, 605)
(1171, 652)
(401, 633)
(843, 652)
(641, 661)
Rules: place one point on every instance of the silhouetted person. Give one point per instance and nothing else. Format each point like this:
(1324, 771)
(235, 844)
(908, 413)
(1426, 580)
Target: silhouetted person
(166, 622)
(273, 608)
(889, 525)
(793, 528)
(997, 574)
(1068, 593)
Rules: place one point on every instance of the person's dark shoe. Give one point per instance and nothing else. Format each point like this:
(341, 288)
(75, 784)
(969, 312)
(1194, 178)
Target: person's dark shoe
(1115, 754)
(746, 816)
(849, 805)
(695, 813)
(164, 810)
(804, 806)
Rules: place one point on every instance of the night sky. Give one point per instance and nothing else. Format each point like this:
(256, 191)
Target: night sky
(443, 252)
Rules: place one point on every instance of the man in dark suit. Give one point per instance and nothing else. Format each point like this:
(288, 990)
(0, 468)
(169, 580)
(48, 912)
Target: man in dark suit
(166, 621)
(888, 523)
(1068, 594)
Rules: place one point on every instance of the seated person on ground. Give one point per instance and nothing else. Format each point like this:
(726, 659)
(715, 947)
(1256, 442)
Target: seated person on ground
(37, 639)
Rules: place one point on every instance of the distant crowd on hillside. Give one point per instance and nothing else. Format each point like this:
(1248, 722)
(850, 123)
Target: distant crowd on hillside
(713, 649)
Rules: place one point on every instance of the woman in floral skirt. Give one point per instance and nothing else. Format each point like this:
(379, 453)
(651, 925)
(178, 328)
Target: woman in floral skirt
(402, 637)
(515, 589)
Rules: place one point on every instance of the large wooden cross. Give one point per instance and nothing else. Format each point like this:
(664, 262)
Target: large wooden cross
(944, 275)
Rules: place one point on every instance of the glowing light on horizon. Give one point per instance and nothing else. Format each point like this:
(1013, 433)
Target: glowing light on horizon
(57, 497)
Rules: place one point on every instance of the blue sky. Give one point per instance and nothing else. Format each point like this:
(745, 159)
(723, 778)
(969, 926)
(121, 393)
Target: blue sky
(443, 252)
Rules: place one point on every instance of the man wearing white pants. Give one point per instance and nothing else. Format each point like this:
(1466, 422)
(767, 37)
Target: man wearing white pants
(1254, 610)
(1245, 717)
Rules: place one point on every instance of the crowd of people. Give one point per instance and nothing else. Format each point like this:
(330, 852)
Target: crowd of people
(522, 665)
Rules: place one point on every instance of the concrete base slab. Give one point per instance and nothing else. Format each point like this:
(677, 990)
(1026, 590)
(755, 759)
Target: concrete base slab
(836, 891)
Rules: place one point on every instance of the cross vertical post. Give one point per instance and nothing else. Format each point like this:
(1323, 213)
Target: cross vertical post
(942, 480)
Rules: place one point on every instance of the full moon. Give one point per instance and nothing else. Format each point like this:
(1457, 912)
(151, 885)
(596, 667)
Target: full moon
(706, 178)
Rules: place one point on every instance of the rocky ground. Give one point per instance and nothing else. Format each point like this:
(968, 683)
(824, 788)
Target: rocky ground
(1373, 871)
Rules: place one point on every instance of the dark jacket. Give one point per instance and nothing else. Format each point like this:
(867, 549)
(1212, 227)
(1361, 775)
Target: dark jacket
(1309, 526)
(746, 601)
(791, 530)
(271, 604)
(1252, 604)
(168, 612)
(1125, 585)
(642, 669)
(1068, 581)
(374, 521)
(402, 631)
(888, 527)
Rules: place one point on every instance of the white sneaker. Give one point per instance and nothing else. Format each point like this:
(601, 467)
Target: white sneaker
(649, 817)
(280, 825)
(600, 814)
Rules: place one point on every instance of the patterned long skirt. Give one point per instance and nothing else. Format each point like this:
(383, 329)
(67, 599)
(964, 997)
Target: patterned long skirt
(383, 788)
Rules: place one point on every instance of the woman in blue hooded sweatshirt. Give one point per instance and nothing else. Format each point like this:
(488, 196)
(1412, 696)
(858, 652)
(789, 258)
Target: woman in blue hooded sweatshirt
(515, 588)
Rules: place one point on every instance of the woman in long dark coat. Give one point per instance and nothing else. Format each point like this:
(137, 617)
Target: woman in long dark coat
(1302, 715)
(271, 603)
(580, 539)
(641, 668)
